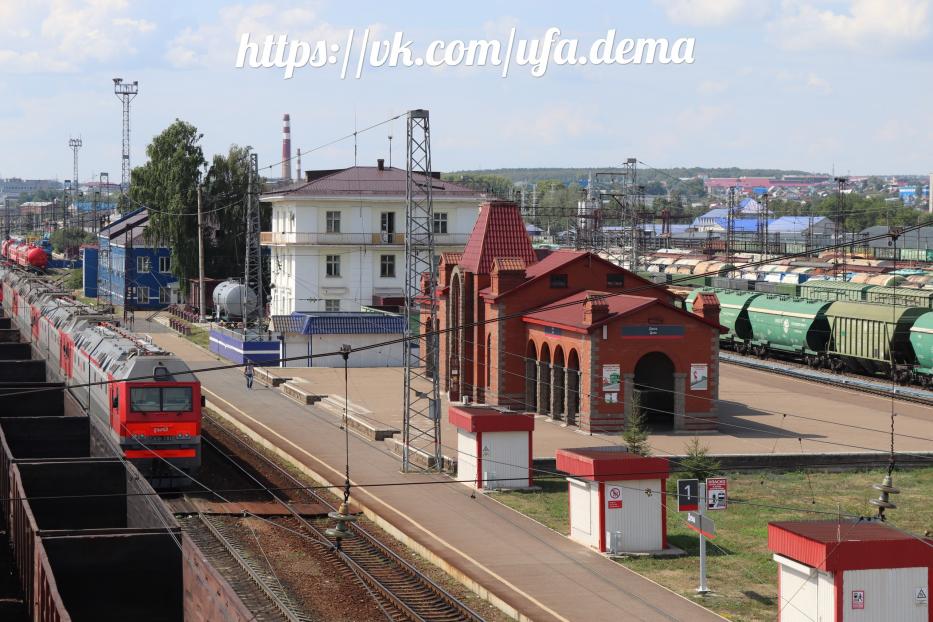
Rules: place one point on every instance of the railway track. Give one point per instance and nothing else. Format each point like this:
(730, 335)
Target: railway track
(400, 590)
(267, 599)
(856, 383)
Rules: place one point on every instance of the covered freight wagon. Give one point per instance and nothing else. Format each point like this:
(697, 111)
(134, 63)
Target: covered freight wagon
(791, 325)
(834, 290)
(921, 339)
(872, 338)
(903, 296)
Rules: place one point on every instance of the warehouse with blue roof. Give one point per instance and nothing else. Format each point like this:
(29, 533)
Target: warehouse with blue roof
(303, 334)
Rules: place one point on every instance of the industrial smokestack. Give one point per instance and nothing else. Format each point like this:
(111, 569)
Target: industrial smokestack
(298, 174)
(930, 195)
(286, 147)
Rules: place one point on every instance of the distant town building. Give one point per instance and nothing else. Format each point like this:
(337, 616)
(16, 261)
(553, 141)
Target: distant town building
(338, 237)
(15, 185)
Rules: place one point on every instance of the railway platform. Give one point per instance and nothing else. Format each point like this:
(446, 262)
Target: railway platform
(526, 569)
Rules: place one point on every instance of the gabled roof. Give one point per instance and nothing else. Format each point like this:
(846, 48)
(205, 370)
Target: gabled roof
(569, 313)
(343, 323)
(368, 181)
(499, 232)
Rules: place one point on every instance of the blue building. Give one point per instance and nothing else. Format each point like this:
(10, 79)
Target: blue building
(130, 271)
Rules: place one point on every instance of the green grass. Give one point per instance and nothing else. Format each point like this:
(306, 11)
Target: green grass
(199, 336)
(741, 573)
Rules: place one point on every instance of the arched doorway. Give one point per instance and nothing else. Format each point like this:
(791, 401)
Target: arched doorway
(544, 381)
(558, 390)
(654, 386)
(573, 387)
(531, 377)
(454, 337)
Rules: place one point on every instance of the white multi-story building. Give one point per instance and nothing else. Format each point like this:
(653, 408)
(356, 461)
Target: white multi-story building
(338, 237)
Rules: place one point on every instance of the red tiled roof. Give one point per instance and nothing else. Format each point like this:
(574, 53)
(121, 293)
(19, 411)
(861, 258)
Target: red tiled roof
(828, 531)
(572, 314)
(499, 232)
(508, 264)
(552, 260)
(369, 180)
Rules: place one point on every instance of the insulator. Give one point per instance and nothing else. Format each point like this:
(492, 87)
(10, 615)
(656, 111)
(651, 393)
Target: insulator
(343, 517)
(886, 488)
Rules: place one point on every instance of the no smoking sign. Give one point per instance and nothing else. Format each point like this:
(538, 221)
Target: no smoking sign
(614, 496)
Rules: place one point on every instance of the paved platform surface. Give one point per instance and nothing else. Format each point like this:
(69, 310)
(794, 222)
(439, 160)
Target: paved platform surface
(759, 412)
(536, 571)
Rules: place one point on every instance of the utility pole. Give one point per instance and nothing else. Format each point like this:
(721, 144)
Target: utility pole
(839, 255)
(730, 225)
(701, 510)
(763, 241)
(125, 92)
(201, 301)
(421, 430)
(253, 275)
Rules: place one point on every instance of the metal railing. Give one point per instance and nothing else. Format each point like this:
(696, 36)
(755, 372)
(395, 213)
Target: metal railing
(356, 239)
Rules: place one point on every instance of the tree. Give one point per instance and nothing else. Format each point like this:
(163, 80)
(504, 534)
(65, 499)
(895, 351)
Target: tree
(636, 429)
(68, 240)
(167, 185)
(698, 464)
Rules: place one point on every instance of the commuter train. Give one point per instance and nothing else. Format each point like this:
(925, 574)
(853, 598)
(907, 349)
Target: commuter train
(147, 398)
(25, 255)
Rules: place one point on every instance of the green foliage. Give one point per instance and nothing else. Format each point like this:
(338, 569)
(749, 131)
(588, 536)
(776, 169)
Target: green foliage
(636, 429)
(495, 185)
(224, 204)
(73, 279)
(860, 211)
(69, 240)
(698, 463)
(167, 184)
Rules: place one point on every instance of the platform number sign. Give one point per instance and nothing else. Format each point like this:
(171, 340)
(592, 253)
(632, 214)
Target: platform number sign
(688, 492)
(717, 493)
(858, 599)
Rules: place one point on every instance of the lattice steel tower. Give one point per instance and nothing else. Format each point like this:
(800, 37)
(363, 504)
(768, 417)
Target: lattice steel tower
(839, 233)
(421, 431)
(762, 229)
(730, 225)
(75, 144)
(125, 92)
(253, 277)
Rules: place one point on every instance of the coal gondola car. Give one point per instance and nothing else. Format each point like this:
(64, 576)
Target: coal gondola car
(148, 398)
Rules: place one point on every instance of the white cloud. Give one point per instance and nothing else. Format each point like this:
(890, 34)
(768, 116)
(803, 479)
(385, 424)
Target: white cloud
(867, 24)
(817, 83)
(216, 43)
(712, 87)
(61, 35)
(708, 12)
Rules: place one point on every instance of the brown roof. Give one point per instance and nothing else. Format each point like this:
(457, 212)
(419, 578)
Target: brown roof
(368, 181)
(829, 531)
(508, 264)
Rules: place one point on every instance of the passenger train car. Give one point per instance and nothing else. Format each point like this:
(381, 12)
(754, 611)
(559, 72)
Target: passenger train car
(147, 398)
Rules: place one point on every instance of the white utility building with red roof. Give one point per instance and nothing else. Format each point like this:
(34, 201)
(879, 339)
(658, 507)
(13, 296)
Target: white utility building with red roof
(851, 571)
(493, 447)
(618, 500)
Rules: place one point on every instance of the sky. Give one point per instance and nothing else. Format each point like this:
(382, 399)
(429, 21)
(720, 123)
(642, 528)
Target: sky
(818, 85)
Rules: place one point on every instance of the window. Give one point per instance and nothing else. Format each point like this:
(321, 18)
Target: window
(333, 265)
(165, 295)
(440, 223)
(332, 306)
(615, 280)
(333, 222)
(387, 266)
(142, 295)
(160, 399)
(143, 265)
(165, 264)
(558, 281)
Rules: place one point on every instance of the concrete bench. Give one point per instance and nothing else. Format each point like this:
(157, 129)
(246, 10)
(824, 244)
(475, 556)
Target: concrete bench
(300, 395)
(267, 378)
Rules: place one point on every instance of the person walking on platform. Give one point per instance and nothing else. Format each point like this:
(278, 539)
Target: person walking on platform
(248, 372)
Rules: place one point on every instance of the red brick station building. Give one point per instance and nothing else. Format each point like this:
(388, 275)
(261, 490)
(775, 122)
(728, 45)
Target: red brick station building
(579, 335)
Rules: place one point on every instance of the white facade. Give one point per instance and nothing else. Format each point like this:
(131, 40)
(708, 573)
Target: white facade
(885, 594)
(630, 520)
(334, 253)
(502, 456)
(391, 355)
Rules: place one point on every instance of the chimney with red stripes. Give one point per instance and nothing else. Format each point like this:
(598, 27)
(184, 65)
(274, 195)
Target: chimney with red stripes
(286, 148)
